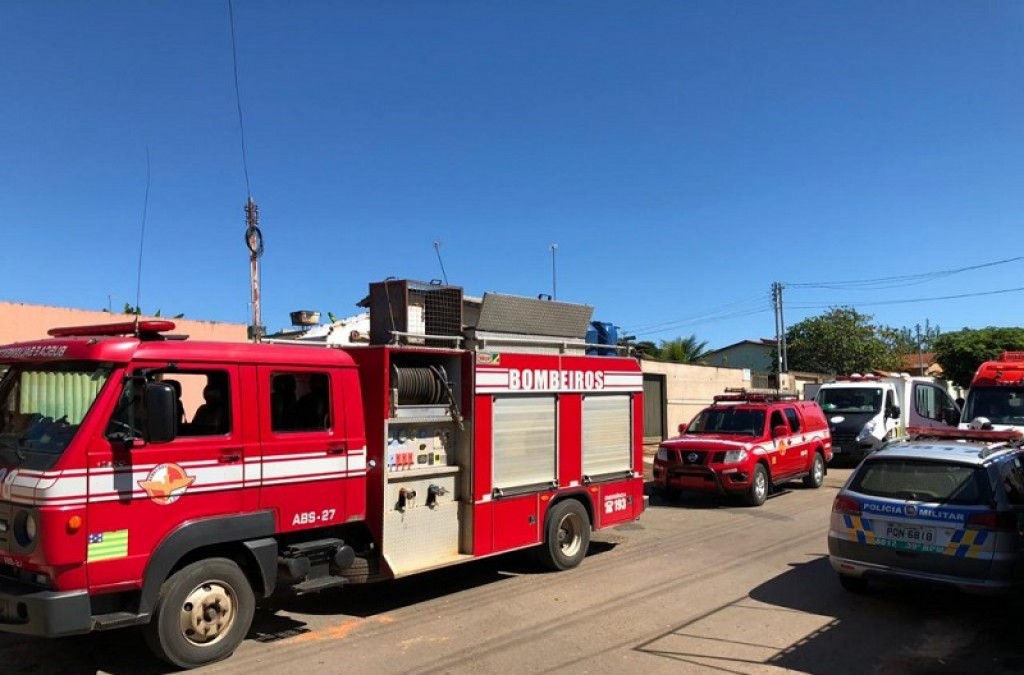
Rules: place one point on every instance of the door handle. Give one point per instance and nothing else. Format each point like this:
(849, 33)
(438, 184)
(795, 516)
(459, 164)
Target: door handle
(337, 448)
(229, 455)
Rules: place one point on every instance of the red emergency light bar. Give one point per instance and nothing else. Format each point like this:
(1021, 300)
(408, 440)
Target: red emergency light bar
(751, 398)
(1012, 356)
(966, 434)
(124, 328)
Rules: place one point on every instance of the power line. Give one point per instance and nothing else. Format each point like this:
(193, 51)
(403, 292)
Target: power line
(729, 308)
(902, 280)
(697, 322)
(238, 99)
(910, 300)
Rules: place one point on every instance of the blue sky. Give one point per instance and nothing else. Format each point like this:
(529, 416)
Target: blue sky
(682, 155)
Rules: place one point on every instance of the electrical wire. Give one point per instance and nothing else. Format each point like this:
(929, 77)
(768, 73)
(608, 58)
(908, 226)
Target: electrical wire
(729, 310)
(897, 281)
(908, 300)
(238, 99)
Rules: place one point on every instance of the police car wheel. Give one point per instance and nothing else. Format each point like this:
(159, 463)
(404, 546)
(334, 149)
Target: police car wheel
(202, 614)
(853, 584)
(817, 475)
(759, 486)
(566, 536)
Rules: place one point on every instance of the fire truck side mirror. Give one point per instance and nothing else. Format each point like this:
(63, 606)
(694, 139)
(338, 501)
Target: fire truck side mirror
(161, 407)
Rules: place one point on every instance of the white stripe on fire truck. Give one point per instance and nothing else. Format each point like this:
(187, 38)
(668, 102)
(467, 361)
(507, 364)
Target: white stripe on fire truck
(54, 489)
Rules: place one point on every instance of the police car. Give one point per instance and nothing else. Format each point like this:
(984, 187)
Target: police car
(940, 505)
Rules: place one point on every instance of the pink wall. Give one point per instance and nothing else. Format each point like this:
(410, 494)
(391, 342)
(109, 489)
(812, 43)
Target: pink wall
(20, 322)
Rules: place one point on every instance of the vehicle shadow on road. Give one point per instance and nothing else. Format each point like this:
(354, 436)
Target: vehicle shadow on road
(124, 652)
(808, 623)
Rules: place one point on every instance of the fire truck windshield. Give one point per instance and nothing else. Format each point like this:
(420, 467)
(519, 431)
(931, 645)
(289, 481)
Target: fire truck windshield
(728, 420)
(41, 407)
(1000, 405)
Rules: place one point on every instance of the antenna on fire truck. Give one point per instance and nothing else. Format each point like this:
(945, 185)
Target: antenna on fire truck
(142, 239)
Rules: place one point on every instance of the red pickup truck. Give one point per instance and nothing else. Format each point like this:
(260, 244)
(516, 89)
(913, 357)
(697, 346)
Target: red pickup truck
(743, 445)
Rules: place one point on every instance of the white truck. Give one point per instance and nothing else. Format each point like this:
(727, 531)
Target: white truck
(865, 411)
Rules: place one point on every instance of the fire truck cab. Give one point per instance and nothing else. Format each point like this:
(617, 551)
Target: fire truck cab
(995, 399)
(148, 480)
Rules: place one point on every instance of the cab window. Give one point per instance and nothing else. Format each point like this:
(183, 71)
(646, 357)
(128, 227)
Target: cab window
(930, 401)
(203, 407)
(777, 420)
(794, 419)
(300, 401)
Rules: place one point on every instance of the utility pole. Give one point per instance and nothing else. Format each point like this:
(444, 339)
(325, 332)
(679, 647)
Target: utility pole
(780, 328)
(254, 242)
(920, 348)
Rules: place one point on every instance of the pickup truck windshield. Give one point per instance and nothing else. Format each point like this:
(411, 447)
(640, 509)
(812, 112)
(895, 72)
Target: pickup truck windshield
(41, 407)
(728, 421)
(850, 399)
(1001, 405)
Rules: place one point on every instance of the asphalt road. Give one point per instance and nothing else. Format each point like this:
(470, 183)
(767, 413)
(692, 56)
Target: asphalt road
(701, 586)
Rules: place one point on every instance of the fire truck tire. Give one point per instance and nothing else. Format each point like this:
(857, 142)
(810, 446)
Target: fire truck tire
(202, 614)
(566, 536)
(759, 487)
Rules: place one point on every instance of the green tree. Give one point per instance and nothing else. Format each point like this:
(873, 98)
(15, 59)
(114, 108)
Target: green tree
(683, 350)
(843, 341)
(645, 349)
(961, 352)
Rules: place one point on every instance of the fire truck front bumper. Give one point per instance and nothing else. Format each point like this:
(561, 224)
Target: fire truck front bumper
(28, 611)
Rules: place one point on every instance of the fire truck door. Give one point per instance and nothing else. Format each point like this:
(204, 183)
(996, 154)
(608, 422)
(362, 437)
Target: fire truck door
(139, 492)
(306, 461)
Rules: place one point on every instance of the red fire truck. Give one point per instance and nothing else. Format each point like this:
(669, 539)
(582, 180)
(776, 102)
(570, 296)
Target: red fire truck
(996, 397)
(462, 431)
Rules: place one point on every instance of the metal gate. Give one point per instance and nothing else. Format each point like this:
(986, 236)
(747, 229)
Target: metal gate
(654, 407)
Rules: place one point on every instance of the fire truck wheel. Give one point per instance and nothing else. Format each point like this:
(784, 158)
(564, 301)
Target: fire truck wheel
(758, 491)
(202, 614)
(566, 535)
(817, 475)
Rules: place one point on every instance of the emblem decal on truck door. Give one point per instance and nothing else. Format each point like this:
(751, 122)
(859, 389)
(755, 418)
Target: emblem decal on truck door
(166, 483)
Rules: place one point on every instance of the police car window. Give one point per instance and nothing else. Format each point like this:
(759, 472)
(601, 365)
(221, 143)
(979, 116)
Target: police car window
(794, 419)
(927, 481)
(1013, 481)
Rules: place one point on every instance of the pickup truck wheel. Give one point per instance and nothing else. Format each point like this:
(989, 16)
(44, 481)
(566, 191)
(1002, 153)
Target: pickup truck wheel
(566, 536)
(202, 614)
(758, 491)
(817, 475)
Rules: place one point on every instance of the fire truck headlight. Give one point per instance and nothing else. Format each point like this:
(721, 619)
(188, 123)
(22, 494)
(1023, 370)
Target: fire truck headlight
(25, 528)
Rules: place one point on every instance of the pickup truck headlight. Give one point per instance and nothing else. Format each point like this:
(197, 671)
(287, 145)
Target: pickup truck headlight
(662, 455)
(735, 456)
(867, 433)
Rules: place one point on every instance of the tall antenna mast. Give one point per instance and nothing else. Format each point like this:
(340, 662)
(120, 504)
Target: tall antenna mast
(437, 248)
(142, 239)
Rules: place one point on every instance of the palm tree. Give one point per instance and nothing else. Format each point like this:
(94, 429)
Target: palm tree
(683, 350)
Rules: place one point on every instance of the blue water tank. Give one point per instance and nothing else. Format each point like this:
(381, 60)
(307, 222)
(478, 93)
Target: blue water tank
(602, 333)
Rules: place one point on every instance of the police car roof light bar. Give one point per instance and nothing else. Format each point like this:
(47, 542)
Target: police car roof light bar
(966, 434)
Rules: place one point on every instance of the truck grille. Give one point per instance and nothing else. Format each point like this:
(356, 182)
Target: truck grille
(845, 443)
